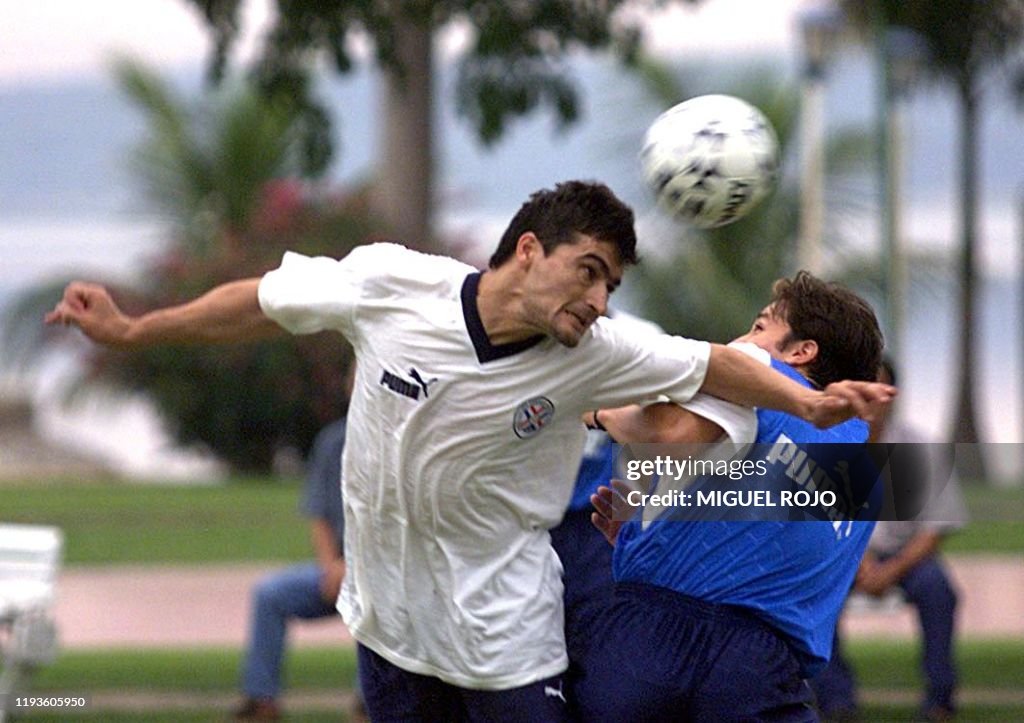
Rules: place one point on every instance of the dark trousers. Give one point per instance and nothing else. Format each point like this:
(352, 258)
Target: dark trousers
(928, 589)
(587, 577)
(657, 655)
(392, 695)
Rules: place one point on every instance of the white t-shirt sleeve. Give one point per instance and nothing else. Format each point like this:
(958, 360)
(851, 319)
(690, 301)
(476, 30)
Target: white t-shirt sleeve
(310, 294)
(643, 368)
(738, 422)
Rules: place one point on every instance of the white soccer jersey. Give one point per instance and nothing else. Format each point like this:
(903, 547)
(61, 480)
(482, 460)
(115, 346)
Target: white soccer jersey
(460, 456)
(739, 427)
(738, 422)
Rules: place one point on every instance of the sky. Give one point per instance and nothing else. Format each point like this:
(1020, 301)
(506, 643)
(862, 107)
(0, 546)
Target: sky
(58, 39)
(55, 39)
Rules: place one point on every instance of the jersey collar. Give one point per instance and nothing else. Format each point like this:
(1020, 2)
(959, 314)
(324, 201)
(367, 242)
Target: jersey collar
(485, 350)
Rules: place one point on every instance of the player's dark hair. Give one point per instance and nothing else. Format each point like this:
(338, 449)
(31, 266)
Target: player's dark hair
(843, 325)
(574, 207)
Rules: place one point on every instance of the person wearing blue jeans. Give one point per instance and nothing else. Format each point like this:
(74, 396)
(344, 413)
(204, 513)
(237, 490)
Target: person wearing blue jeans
(905, 554)
(308, 591)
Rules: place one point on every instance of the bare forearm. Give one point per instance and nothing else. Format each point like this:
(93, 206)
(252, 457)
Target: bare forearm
(658, 423)
(228, 313)
(736, 377)
(325, 546)
(329, 558)
(625, 424)
(917, 549)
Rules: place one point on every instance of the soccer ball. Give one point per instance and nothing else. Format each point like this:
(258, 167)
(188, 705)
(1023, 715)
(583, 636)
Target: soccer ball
(710, 159)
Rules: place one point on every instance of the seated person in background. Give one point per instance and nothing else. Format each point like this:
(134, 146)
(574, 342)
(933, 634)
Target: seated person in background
(905, 554)
(308, 591)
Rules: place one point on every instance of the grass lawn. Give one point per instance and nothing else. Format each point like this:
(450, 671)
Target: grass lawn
(196, 675)
(211, 715)
(874, 713)
(997, 522)
(982, 663)
(199, 670)
(115, 523)
(257, 520)
(879, 664)
(985, 666)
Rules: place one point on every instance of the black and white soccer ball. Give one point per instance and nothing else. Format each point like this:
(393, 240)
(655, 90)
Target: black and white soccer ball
(710, 159)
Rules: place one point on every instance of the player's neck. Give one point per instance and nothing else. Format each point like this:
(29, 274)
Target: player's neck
(802, 370)
(500, 308)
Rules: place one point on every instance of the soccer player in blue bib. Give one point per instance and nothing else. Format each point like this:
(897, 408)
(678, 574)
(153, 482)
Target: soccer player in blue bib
(726, 619)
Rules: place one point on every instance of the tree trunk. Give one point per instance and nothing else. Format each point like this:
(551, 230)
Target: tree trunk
(969, 458)
(402, 195)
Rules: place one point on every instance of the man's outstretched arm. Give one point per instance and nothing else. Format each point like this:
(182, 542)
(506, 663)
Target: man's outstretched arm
(736, 377)
(228, 313)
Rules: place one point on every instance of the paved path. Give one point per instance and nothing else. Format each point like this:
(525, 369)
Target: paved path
(183, 607)
(208, 606)
(991, 593)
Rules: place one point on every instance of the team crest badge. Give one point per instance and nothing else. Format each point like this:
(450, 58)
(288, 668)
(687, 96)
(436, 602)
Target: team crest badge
(532, 416)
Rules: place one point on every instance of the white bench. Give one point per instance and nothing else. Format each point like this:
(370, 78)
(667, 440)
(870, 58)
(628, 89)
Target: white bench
(891, 602)
(30, 558)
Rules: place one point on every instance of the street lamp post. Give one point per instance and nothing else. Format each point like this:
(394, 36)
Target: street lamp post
(818, 28)
(904, 52)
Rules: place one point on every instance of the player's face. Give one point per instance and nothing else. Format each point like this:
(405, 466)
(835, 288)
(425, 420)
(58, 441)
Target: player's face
(566, 290)
(769, 332)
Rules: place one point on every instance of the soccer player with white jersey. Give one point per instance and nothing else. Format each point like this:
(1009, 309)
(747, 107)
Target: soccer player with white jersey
(725, 619)
(464, 434)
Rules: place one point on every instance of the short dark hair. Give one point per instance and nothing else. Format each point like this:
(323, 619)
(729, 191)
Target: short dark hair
(573, 207)
(842, 323)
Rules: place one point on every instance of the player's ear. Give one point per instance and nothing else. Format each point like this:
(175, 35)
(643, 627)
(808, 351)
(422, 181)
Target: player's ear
(528, 247)
(802, 352)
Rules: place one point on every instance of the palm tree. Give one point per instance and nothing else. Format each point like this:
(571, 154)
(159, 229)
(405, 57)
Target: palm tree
(205, 168)
(514, 63)
(227, 176)
(967, 39)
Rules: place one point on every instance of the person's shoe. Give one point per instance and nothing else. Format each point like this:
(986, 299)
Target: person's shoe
(257, 709)
(937, 714)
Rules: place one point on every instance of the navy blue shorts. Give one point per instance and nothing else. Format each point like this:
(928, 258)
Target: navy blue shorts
(657, 655)
(392, 694)
(587, 576)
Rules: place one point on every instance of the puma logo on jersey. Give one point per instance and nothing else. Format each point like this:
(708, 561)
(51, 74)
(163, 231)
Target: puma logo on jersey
(801, 469)
(406, 388)
(552, 692)
(424, 385)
